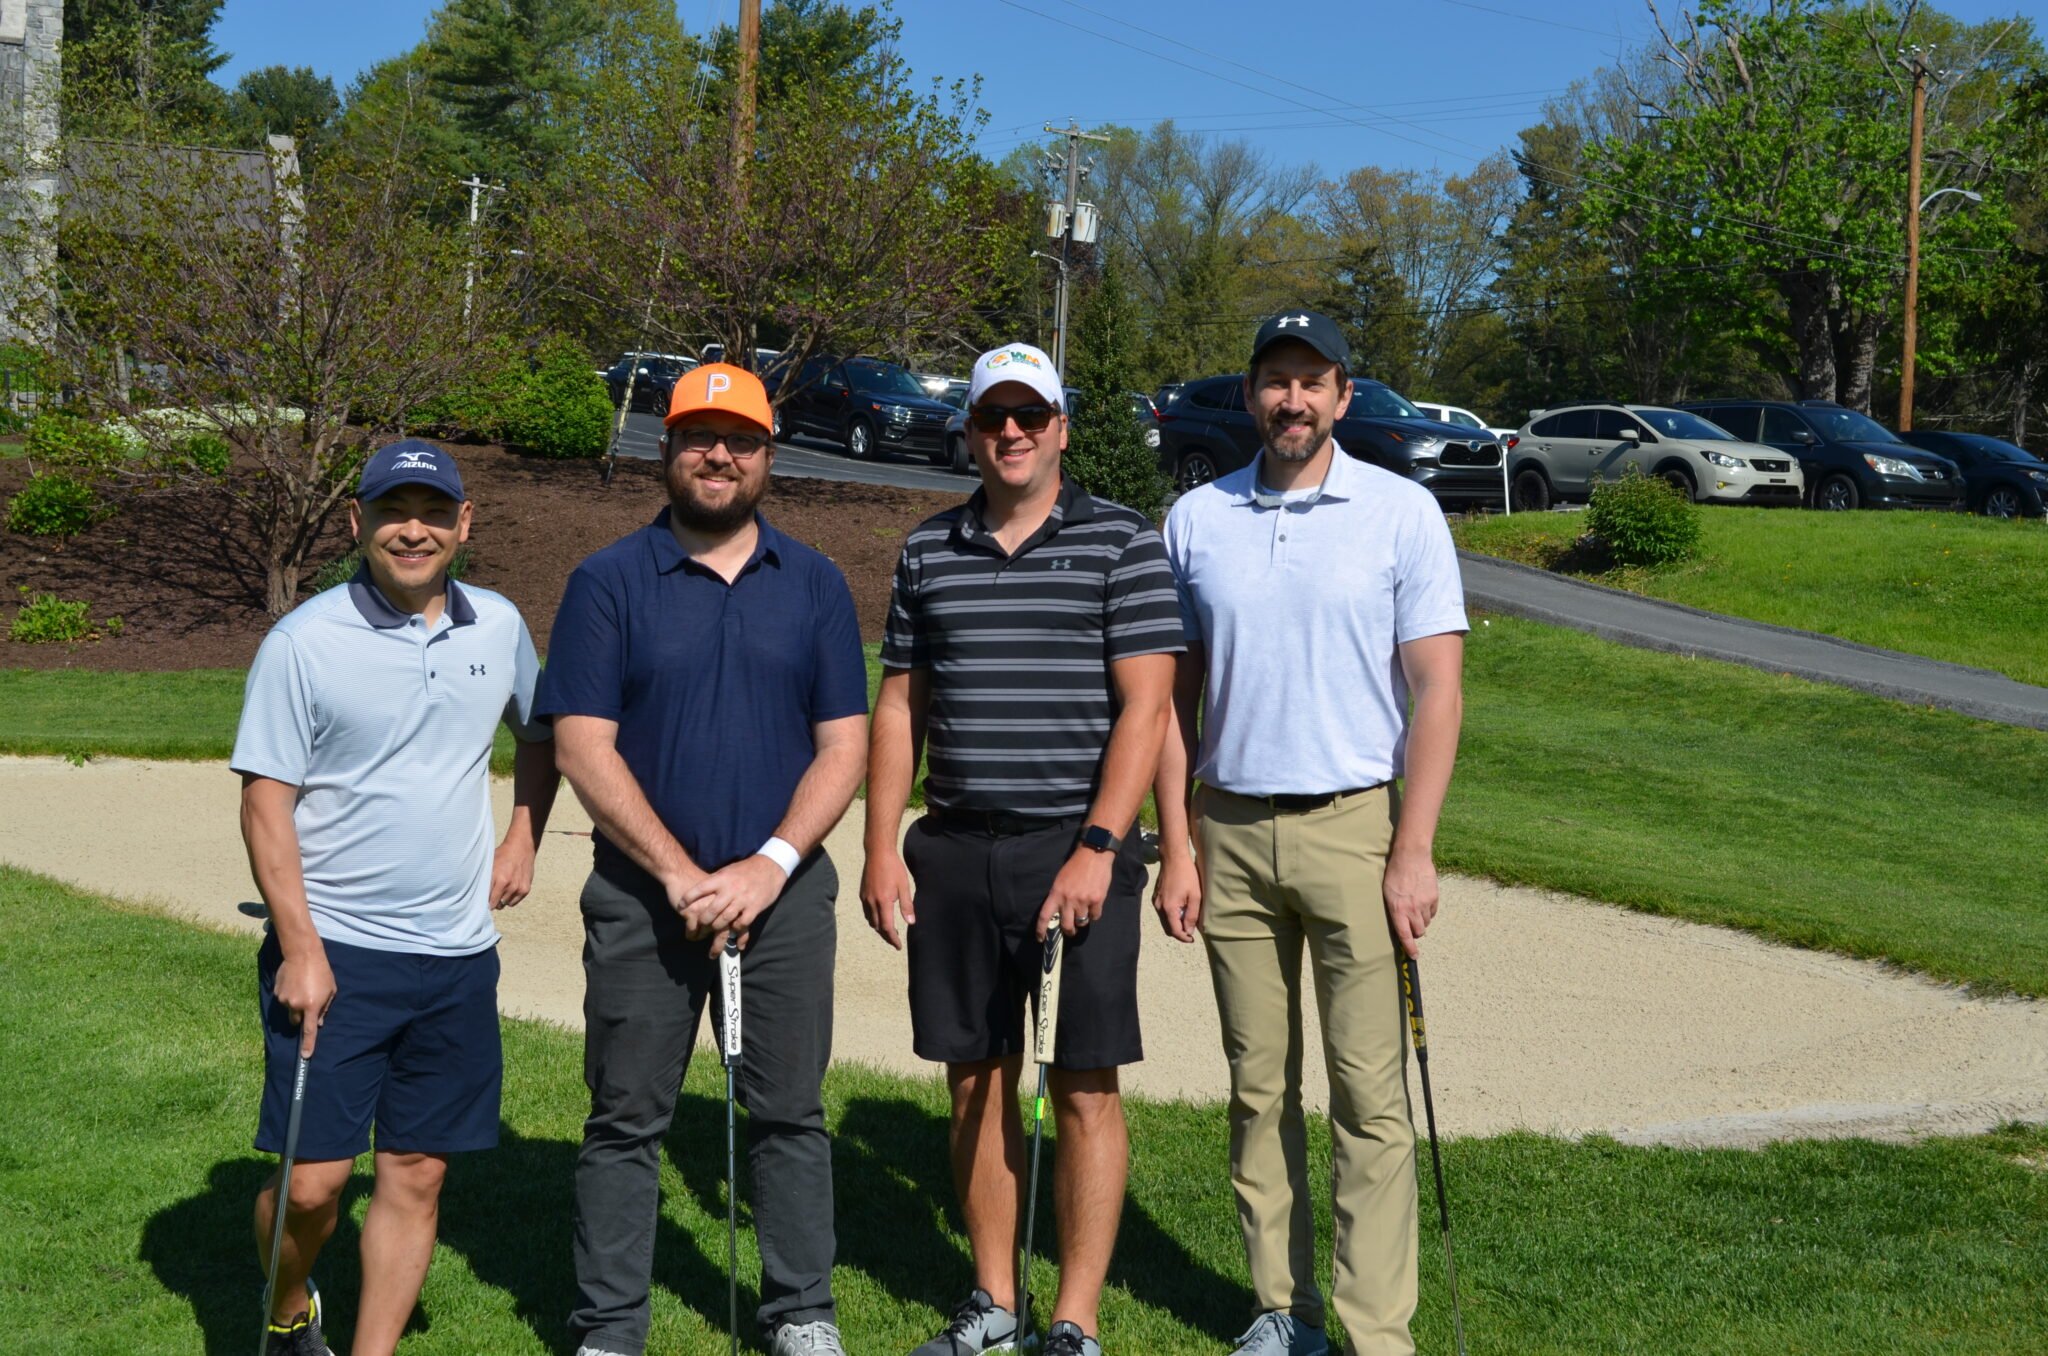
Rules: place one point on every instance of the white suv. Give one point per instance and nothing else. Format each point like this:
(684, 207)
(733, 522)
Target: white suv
(1560, 452)
(1451, 414)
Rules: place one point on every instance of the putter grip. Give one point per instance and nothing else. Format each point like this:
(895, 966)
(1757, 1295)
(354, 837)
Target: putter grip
(1046, 1034)
(729, 987)
(1411, 996)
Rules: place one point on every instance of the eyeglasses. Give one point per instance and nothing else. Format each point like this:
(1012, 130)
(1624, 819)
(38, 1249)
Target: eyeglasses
(1030, 418)
(702, 440)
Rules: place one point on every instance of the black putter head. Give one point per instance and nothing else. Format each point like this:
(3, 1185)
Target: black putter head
(249, 908)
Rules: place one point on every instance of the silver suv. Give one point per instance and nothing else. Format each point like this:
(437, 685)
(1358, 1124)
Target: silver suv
(1560, 452)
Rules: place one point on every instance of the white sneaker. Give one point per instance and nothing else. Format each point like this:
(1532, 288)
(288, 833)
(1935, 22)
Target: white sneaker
(1281, 1334)
(806, 1339)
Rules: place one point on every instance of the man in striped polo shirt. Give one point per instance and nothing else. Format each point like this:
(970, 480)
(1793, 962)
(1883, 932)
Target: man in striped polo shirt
(1030, 654)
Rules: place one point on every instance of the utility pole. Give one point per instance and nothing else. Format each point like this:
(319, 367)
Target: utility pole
(743, 147)
(1071, 204)
(1915, 61)
(477, 188)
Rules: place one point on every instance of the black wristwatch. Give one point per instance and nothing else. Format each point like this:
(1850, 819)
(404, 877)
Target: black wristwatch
(1100, 839)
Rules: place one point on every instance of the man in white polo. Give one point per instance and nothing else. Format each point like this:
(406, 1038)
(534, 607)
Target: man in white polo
(364, 749)
(1320, 595)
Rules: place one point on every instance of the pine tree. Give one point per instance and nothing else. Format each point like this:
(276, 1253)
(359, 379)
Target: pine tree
(1106, 452)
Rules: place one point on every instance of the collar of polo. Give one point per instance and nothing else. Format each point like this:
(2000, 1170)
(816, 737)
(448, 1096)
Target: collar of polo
(379, 612)
(1338, 482)
(1075, 505)
(670, 556)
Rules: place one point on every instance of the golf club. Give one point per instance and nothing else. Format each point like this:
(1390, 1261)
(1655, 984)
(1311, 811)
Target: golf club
(729, 979)
(1043, 1037)
(284, 1195)
(1411, 994)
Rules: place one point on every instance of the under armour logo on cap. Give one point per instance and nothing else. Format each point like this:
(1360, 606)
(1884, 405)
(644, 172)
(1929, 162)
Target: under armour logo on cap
(1286, 320)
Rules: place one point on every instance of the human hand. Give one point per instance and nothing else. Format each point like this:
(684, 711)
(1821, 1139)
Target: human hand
(1410, 891)
(511, 872)
(1178, 896)
(731, 898)
(886, 890)
(1077, 892)
(305, 985)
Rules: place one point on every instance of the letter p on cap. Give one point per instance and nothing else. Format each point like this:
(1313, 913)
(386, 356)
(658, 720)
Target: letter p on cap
(717, 384)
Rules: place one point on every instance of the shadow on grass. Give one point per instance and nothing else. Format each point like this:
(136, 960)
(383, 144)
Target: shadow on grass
(509, 1213)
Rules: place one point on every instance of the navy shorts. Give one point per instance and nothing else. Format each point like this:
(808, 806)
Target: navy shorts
(410, 1046)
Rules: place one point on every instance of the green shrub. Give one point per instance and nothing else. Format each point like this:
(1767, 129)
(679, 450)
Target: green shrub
(45, 619)
(1643, 520)
(563, 408)
(54, 504)
(343, 568)
(12, 421)
(480, 407)
(205, 453)
(77, 445)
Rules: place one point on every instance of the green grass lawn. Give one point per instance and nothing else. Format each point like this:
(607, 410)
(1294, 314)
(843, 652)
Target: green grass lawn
(1811, 814)
(1969, 590)
(126, 1174)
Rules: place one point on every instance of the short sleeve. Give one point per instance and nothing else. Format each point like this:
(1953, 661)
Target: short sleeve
(1176, 544)
(274, 738)
(839, 675)
(1144, 615)
(904, 642)
(519, 712)
(1429, 592)
(585, 675)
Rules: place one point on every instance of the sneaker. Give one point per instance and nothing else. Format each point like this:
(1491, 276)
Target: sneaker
(300, 1337)
(806, 1339)
(978, 1325)
(1281, 1334)
(598, 1351)
(1067, 1339)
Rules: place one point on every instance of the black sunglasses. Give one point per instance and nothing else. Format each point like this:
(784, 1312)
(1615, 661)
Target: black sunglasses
(1030, 418)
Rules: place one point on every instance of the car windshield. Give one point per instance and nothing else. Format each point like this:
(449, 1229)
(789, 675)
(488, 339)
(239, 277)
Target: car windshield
(1372, 400)
(1847, 426)
(1679, 424)
(883, 379)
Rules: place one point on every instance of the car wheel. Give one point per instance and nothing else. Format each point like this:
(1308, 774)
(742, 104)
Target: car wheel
(2002, 502)
(1532, 490)
(1196, 469)
(956, 455)
(1837, 492)
(1680, 479)
(860, 440)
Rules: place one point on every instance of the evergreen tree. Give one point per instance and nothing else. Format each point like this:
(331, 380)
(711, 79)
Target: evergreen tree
(1106, 452)
(141, 70)
(284, 101)
(506, 70)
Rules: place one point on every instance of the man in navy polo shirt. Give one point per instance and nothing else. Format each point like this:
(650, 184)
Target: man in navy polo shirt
(710, 706)
(364, 749)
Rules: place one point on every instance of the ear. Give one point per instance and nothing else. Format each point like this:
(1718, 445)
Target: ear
(462, 520)
(355, 521)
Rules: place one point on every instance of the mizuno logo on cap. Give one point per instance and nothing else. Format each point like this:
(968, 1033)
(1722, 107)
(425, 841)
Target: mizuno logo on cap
(414, 461)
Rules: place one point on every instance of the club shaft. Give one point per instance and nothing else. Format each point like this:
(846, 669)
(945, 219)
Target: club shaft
(732, 1220)
(1031, 1212)
(1411, 989)
(284, 1196)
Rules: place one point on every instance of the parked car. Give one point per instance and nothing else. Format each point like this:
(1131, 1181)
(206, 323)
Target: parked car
(867, 406)
(764, 358)
(651, 386)
(955, 394)
(1207, 432)
(1561, 452)
(956, 456)
(2000, 479)
(1850, 460)
(1452, 414)
(1163, 397)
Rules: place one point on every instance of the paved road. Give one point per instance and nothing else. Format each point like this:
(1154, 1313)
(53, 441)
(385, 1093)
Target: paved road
(1521, 591)
(643, 432)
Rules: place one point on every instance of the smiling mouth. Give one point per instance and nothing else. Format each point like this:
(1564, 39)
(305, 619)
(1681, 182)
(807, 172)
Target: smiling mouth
(411, 555)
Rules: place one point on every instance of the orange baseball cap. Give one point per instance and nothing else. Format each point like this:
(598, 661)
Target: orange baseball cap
(724, 388)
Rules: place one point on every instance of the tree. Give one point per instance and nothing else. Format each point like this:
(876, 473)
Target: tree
(1106, 453)
(284, 101)
(141, 70)
(506, 70)
(297, 325)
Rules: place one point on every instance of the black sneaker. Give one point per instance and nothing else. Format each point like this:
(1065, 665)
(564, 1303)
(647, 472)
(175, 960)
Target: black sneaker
(301, 1336)
(1067, 1339)
(978, 1325)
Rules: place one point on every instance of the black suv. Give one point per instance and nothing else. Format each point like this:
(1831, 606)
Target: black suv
(656, 378)
(1849, 459)
(1206, 432)
(864, 404)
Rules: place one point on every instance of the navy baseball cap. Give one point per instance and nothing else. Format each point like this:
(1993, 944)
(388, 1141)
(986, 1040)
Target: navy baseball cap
(414, 461)
(1319, 332)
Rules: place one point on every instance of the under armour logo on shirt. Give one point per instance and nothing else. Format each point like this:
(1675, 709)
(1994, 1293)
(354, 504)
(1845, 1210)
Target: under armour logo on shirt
(476, 671)
(1063, 563)
(1287, 320)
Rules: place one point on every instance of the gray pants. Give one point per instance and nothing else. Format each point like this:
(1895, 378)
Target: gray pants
(645, 989)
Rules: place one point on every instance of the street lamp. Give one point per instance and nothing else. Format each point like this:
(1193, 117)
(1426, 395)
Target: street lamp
(1911, 335)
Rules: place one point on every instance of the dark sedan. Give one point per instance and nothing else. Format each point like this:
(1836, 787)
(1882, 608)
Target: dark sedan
(2000, 479)
(652, 383)
(1849, 459)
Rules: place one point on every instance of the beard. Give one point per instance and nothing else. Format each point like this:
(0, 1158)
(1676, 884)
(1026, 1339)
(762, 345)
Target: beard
(714, 519)
(1294, 447)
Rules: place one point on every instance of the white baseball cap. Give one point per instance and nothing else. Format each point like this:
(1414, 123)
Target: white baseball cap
(1020, 363)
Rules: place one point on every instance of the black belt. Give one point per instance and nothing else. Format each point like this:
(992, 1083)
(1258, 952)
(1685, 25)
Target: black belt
(1290, 803)
(1000, 824)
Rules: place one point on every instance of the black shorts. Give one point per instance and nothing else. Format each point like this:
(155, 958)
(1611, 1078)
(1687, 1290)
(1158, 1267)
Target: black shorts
(410, 1046)
(975, 953)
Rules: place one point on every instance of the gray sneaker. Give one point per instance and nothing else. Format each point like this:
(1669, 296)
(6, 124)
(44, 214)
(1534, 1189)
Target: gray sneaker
(1281, 1334)
(1067, 1339)
(978, 1325)
(598, 1351)
(806, 1339)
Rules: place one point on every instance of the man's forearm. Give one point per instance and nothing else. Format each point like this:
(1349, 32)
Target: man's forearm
(822, 795)
(892, 768)
(272, 840)
(1432, 752)
(1130, 763)
(534, 783)
(1173, 787)
(620, 810)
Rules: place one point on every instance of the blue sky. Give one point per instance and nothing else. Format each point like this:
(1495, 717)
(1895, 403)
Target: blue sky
(1403, 84)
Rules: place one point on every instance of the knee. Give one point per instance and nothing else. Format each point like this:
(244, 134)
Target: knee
(1087, 1102)
(979, 1088)
(411, 1179)
(316, 1187)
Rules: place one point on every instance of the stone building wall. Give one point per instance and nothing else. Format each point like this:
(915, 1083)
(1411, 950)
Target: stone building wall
(31, 77)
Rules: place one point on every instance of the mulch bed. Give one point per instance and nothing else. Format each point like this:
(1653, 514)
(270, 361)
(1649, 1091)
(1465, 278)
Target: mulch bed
(187, 581)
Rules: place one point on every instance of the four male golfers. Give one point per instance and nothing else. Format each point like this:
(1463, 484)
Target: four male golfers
(708, 698)
(365, 749)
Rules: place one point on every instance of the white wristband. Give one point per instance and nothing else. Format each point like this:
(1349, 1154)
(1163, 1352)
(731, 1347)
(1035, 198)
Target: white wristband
(782, 854)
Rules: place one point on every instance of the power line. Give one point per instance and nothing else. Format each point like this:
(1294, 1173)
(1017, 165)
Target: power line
(1529, 18)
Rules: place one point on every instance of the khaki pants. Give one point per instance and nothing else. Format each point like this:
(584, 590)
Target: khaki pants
(1272, 881)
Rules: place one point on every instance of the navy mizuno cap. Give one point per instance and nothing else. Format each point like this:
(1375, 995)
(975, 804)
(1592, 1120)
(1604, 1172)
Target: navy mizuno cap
(1319, 332)
(414, 461)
